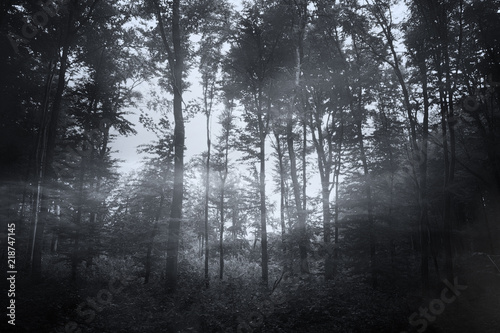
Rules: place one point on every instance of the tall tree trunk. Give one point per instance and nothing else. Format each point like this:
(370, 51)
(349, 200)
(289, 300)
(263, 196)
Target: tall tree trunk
(368, 189)
(324, 167)
(279, 152)
(450, 120)
(49, 133)
(176, 208)
(222, 199)
(263, 208)
(221, 237)
(304, 164)
(338, 165)
(301, 214)
(207, 190)
(336, 222)
(424, 210)
(47, 146)
(152, 236)
(40, 151)
(447, 218)
(390, 219)
(300, 206)
(78, 222)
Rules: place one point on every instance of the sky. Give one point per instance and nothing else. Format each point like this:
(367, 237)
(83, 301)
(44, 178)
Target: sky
(125, 148)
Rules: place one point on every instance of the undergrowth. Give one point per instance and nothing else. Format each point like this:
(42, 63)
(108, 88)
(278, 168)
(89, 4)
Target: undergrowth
(240, 303)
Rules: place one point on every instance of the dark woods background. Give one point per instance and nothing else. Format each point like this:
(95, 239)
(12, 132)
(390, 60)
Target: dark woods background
(376, 133)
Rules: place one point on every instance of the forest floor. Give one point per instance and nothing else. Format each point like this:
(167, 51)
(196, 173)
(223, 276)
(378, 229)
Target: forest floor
(346, 304)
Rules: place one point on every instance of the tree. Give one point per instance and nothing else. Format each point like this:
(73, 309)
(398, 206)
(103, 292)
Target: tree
(48, 132)
(175, 22)
(209, 68)
(224, 144)
(210, 58)
(55, 52)
(175, 56)
(416, 44)
(300, 13)
(253, 63)
(283, 171)
(359, 91)
(325, 100)
(157, 177)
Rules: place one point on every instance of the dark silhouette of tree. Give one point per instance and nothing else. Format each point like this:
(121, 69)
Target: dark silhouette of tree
(252, 66)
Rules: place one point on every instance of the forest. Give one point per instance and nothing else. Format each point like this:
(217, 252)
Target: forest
(346, 176)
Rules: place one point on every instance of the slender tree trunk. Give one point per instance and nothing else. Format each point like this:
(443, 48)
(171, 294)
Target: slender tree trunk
(279, 151)
(329, 261)
(336, 222)
(222, 200)
(368, 189)
(49, 132)
(450, 120)
(443, 98)
(178, 189)
(152, 239)
(201, 240)
(78, 222)
(263, 208)
(325, 201)
(35, 213)
(221, 239)
(304, 267)
(303, 251)
(304, 164)
(300, 206)
(424, 210)
(207, 190)
(415, 149)
(324, 167)
(338, 165)
(388, 147)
